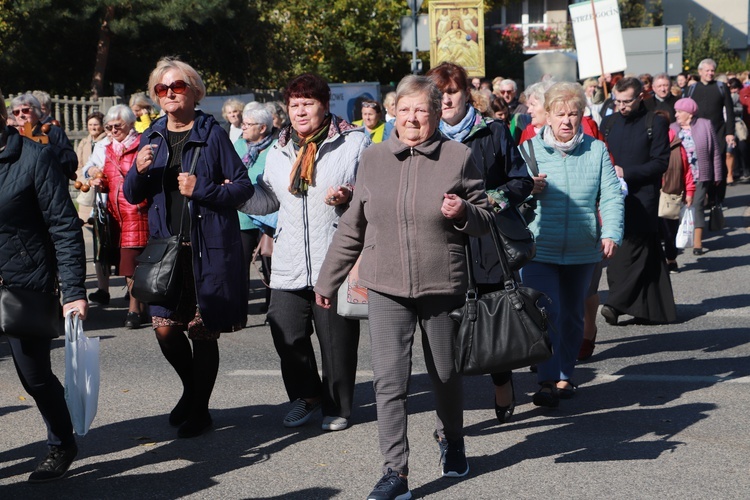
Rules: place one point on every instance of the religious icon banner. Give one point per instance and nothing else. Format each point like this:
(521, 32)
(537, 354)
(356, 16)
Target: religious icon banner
(457, 34)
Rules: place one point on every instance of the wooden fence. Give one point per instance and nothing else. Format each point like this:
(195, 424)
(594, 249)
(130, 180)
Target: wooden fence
(71, 112)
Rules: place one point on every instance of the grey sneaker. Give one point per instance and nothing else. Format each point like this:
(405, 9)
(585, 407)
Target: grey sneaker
(390, 487)
(334, 423)
(453, 458)
(300, 413)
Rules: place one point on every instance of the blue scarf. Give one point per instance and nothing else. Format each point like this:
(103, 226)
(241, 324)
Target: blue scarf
(254, 149)
(460, 131)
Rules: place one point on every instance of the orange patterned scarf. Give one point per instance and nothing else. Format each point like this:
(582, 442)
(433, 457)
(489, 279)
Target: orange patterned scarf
(303, 169)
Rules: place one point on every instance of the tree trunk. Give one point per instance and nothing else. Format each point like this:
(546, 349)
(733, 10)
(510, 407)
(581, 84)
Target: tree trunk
(102, 53)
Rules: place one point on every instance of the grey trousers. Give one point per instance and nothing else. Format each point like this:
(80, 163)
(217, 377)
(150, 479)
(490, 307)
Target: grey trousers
(393, 322)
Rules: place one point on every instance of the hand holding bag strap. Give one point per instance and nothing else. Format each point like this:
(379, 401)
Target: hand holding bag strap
(185, 204)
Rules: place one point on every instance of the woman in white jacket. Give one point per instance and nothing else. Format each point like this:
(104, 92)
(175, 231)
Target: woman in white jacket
(309, 179)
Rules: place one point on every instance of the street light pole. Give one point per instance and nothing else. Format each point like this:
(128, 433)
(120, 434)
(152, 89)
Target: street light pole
(415, 5)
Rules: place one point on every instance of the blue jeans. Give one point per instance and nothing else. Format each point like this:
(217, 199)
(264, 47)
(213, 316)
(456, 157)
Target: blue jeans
(566, 287)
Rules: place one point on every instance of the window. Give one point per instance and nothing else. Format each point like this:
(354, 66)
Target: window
(513, 13)
(536, 10)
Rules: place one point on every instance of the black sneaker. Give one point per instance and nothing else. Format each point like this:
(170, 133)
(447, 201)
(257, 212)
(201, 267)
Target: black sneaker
(390, 487)
(55, 465)
(100, 297)
(300, 413)
(133, 320)
(452, 457)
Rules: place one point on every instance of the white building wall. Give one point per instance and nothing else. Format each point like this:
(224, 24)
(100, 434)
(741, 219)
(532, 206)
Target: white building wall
(734, 14)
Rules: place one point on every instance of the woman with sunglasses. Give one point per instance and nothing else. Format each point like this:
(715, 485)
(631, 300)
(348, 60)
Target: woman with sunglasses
(27, 109)
(372, 120)
(213, 293)
(128, 223)
(506, 179)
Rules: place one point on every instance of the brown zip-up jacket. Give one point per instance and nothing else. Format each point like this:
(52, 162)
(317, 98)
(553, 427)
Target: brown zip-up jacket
(409, 249)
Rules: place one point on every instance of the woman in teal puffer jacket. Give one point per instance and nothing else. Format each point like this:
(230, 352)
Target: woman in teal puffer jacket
(576, 178)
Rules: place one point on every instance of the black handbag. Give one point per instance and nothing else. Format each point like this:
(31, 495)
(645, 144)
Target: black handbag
(515, 238)
(26, 313)
(502, 330)
(156, 277)
(716, 218)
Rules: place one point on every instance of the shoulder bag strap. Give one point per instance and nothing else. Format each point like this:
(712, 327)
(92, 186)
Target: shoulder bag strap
(529, 157)
(185, 204)
(471, 292)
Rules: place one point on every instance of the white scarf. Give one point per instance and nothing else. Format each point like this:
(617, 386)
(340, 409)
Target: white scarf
(563, 147)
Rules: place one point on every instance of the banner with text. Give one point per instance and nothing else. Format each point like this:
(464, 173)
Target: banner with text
(610, 38)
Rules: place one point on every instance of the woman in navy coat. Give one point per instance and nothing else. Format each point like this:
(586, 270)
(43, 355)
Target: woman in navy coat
(213, 294)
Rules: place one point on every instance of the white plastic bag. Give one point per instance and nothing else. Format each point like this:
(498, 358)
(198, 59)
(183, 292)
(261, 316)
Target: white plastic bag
(81, 374)
(685, 230)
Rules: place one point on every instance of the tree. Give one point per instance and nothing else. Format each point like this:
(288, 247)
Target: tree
(640, 13)
(79, 46)
(708, 43)
(345, 40)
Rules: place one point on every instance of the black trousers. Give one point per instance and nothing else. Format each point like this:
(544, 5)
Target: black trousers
(668, 232)
(292, 315)
(32, 360)
(250, 239)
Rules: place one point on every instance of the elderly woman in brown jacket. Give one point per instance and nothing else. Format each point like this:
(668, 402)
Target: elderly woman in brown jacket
(418, 196)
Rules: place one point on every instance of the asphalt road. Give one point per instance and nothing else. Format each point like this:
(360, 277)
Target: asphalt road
(661, 412)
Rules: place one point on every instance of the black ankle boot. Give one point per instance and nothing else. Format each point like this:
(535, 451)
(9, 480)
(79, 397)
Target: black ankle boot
(195, 425)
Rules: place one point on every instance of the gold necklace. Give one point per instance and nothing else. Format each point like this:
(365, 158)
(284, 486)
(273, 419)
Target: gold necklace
(176, 143)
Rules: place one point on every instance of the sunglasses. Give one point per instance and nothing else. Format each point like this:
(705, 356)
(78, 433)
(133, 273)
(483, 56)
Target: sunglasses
(115, 126)
(25, 111)
(177, 86)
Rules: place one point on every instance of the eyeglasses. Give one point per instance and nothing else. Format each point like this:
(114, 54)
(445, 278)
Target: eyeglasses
(506, 91)
(115, 126)
(25, 111)
(177, 86)
(625, 101)
(248, 125)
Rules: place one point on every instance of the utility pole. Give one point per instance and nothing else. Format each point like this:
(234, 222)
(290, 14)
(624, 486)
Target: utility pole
(415, 6)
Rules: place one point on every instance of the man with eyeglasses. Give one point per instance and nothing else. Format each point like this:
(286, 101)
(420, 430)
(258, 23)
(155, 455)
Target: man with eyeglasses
(638, 142)
(662, 98)
(27, 109)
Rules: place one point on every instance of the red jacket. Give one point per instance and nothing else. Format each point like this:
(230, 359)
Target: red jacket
(745, 101)
(132, 220)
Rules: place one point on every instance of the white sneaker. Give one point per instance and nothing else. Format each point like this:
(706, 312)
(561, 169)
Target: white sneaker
(334, 423)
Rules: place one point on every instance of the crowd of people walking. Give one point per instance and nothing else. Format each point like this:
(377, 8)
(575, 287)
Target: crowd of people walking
(398, 195)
